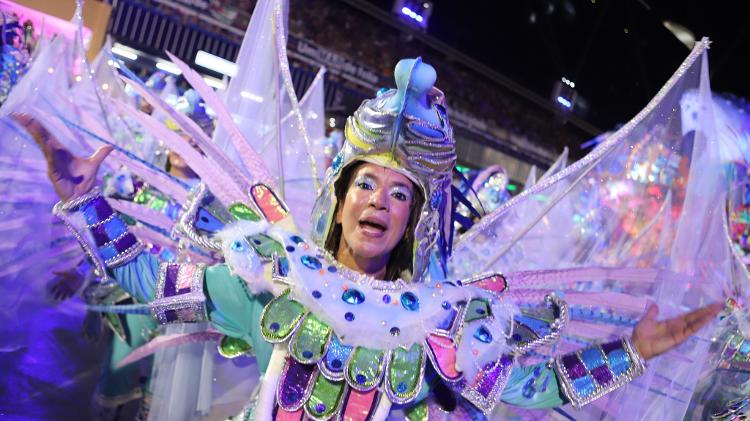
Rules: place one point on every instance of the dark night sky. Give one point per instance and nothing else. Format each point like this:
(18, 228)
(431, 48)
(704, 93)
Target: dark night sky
(615, 71)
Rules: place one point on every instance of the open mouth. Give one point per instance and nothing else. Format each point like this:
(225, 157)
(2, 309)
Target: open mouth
(372, 225)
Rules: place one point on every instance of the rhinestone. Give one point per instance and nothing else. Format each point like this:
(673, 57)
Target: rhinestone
(290, 249)
(297, 239)
(336, 363)
(395, 331)
(237, 246)
(349, 316)
(410, 301)
(483, 334)
(360, 378)
(446, 305)
(353, 296)
(320, 407)
(311, 262)
(307, 354)
(274, 326)
(332, 269)
(401, 388)
(316, 294)
(386, 298)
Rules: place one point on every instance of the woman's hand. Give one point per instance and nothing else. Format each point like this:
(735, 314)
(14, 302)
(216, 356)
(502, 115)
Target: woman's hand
(71, 176)
(652, 338)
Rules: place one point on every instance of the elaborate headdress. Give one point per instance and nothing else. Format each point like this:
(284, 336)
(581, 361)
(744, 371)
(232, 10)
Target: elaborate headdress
(407, 130)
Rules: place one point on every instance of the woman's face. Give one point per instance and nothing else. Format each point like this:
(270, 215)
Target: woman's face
(375, 211)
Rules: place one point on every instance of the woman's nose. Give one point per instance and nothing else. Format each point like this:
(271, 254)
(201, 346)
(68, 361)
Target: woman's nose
(379, 199)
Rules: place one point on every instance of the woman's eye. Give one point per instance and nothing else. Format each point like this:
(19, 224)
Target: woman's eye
(364, 185)
(400, 196)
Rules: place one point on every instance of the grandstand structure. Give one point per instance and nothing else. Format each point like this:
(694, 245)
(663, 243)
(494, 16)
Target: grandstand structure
(496, 121)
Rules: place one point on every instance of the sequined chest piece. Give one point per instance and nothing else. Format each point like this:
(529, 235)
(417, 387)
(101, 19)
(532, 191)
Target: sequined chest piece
(396, 327)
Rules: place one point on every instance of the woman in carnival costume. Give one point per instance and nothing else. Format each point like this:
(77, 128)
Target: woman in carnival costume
(349, 322)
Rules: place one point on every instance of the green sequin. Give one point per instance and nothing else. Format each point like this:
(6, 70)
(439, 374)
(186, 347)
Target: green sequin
(266, 246)
(158, 204)
(231, 347)
(404, 373)
(242, 212)
(325, 398)
(365, 368)
(143, 196)
(478, 309)
(418, 412)
(311, 340)
(280, 316)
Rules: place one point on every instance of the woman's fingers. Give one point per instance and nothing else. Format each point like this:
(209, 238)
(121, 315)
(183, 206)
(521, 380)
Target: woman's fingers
(698, 318)
(100, 155)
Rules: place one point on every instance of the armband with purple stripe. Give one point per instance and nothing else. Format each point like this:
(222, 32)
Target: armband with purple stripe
(179, 294)
(109, 244)
(590, 373)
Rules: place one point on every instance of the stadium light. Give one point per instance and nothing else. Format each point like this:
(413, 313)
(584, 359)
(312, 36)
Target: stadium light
(564, 102)
(216, 63)
(168, 67)
(214, 83)
(122, 52)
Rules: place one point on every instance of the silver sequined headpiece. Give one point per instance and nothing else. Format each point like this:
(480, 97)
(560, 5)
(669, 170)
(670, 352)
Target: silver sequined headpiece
(397, 131)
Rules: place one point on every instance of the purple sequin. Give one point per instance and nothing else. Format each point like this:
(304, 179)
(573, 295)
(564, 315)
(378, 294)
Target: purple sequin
(102, 208)
(611, 346)
(100, 235)
(602, 375)
(494, 373)
(573, 366)
(171, 316)
(294, 383)
(125, 243)
(170, 280)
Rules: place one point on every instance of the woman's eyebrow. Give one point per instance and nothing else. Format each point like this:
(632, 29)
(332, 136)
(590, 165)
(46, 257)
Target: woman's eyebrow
(402, 184)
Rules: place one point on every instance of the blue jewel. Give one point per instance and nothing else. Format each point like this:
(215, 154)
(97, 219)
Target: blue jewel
(274, 326)
(528, 389)
(337, 161)
(437, 196)
(459, 283)
(395, 331)
(256, 241)
(481, 311)
(336, 363)
(332, 269)
(517, 337)
(307, 354)
(238, 246)
(401, 388)
(360, 378)
(296, 239)
(446, 305)
(290, 248)
(483, 334)
(410, 301)
(320, 407)
(349, 316)
(353, 296)
(311, 262)
(316, 294)
(386, 298)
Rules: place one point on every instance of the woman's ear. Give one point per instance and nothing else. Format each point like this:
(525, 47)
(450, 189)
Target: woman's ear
(337, 217)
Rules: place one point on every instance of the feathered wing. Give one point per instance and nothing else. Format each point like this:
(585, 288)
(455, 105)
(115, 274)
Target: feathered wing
(640, 218)
(286, 132)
